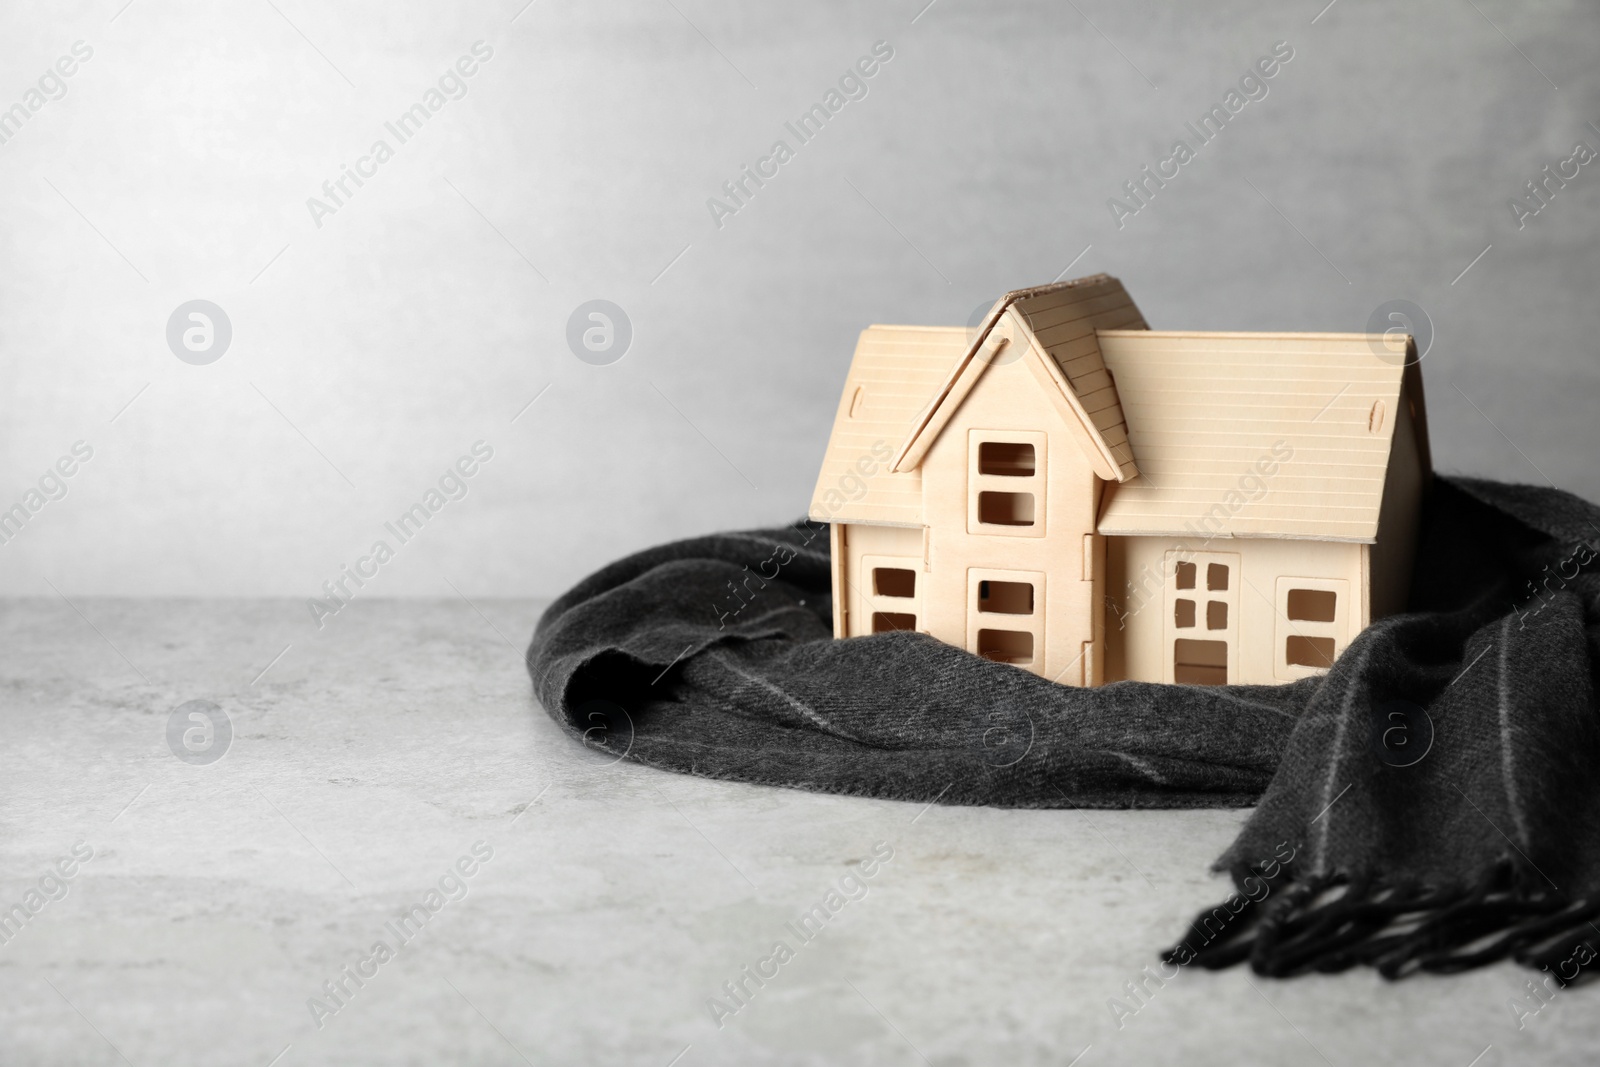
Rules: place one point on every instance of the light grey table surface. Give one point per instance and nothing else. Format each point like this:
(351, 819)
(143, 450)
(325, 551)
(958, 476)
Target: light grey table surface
(374, 753)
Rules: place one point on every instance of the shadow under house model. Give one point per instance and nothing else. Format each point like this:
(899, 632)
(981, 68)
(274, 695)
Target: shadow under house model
(1072, 492)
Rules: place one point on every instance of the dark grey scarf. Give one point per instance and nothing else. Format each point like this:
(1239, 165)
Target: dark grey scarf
(1433, 802)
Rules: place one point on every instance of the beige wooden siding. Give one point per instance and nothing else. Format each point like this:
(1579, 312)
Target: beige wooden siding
(1238, 435)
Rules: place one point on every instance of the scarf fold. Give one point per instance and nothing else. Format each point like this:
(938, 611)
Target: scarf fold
(1431, 803)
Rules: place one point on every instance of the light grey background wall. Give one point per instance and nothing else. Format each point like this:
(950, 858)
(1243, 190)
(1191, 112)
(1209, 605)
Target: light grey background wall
(371, 351)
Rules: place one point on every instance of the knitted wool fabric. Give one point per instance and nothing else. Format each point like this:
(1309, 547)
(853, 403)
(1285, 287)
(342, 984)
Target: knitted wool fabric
(1428, 804)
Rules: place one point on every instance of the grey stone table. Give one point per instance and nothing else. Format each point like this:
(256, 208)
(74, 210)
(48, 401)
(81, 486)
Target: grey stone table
(379, 758)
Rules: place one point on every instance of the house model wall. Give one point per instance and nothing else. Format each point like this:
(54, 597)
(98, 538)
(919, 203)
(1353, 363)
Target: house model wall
(1069, 491)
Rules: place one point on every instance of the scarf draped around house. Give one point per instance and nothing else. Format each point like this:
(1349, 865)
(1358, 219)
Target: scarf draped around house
(1431, 803)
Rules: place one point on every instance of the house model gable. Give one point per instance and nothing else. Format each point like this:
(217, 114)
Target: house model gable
(1067, 491)
(1054, 327)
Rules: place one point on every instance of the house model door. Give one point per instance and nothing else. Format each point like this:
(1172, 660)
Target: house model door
(1200, 632)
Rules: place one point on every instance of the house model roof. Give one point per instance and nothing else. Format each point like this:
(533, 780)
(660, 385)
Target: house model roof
(1175, 421)
(895, 373)
(1204, 408)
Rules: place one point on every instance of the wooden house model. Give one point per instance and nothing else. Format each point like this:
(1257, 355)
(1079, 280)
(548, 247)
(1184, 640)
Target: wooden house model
(1072, 492)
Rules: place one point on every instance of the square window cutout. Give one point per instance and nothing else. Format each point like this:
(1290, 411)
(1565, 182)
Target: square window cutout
(884, 622)
(1011, 460)
(1005, 509)
(1312, 605)
(1006, 646)
(1006, 598)
(1301, 651)
(894, 581)
(1199, 662)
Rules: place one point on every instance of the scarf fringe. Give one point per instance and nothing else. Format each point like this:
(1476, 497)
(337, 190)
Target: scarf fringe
(1300, 927)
